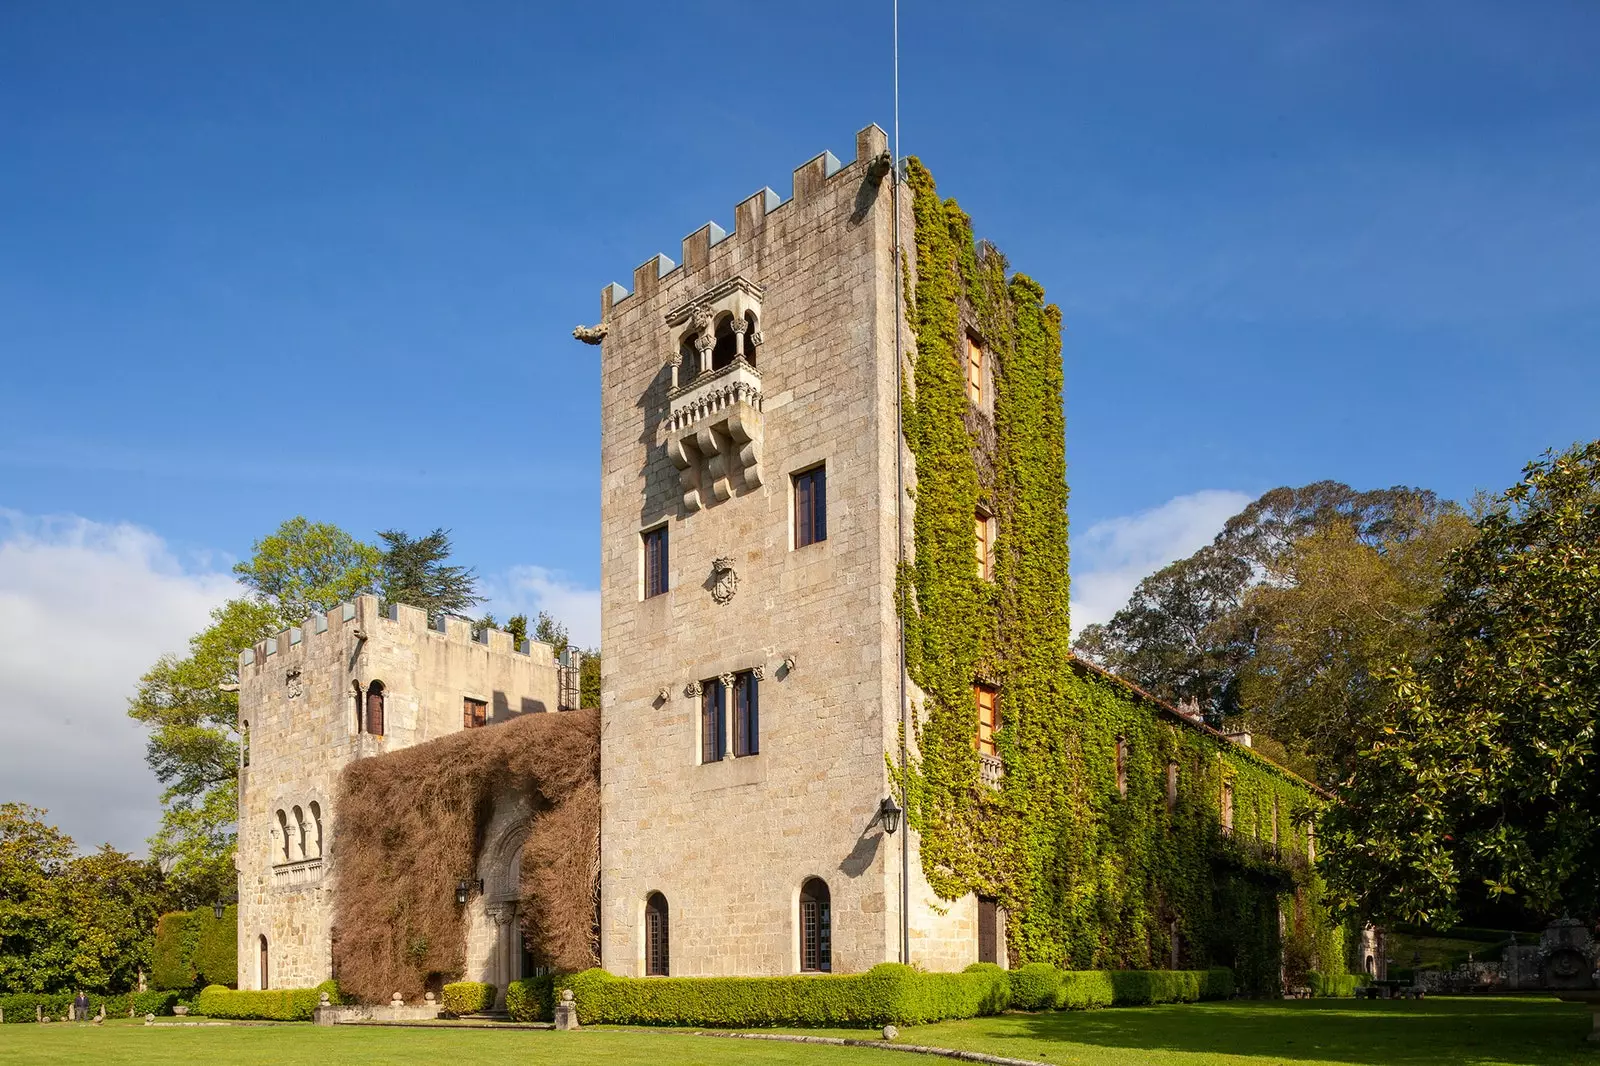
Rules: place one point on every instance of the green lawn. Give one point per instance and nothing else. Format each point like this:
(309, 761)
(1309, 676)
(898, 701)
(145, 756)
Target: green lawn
(1459, 1032)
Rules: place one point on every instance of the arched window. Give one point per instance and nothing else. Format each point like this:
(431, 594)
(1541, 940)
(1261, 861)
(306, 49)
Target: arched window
(265, 984)
(816, 927)
(244, 743)
(688, 359)
(359, 701)
(298, 832)
(316, 827)
(282, 841)
(375, 708)
(749, 337)
(726, 346)
(656, 947)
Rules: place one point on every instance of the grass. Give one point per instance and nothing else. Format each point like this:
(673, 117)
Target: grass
(1461, 1032)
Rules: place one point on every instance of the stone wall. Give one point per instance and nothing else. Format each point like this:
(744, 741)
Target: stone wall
(729, 843)
(298, 710)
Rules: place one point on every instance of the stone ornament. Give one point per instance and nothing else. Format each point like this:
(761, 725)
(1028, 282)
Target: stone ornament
(566, 1011)
(664, 695)
(591, 334)
(724, 581)
(759, 672)
(726, 679)
(692, 689)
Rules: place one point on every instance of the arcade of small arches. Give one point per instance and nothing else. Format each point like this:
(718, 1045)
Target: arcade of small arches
(297, 834)
(712, 341)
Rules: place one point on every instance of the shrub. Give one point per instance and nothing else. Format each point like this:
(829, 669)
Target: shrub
(1219, 983)
(889, 992)
(20, 1006)
(1084, 990)
(1134, 988)
(468, 997)
(279, 1005)
(216, 949)
(532, 999)
(1034, 986)
(1334, 984)
(171, 962)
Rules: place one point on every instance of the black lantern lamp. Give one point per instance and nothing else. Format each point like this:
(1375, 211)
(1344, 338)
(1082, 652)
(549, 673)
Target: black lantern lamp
(220, 907)
(889, 814)
(464, 889)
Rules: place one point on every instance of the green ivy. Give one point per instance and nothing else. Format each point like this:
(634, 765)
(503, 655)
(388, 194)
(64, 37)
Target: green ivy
(1090, 878)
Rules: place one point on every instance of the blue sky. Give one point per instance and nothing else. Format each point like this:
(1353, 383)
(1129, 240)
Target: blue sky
(261, 260)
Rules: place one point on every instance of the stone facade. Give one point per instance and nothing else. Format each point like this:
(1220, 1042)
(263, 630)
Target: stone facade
(303, 700)
(805, 288)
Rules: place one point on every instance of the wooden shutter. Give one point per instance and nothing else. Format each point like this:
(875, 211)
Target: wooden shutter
(988, 718)
(746, 715)
(655, 562)
(974, 371)
(988, 930)
(713, 722)
(474, 713)
(375, 711)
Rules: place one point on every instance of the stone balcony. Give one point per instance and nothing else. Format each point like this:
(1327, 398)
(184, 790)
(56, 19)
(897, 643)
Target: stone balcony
(990, 770)
(714, 433)
(302, 872)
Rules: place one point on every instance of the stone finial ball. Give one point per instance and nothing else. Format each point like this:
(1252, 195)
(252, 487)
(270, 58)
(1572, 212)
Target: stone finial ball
(566, 995)
(890, 1032)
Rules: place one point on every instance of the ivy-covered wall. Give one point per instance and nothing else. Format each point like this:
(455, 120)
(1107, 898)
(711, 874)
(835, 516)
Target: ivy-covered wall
(1091, 877)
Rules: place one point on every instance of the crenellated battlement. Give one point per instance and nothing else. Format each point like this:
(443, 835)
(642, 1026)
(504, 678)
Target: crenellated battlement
(751, 217)
(368, 612)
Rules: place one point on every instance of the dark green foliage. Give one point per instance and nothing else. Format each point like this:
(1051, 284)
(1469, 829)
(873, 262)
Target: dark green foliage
(1040, 986)
(278, 1005)
(469, 997)
(194, 948)
(413, 571)
(20, 1007)
(172, 962)
(889, 992)
(1089, 877)
(216, 950)
(1034, 986)
(532, 999)
(1334, 984)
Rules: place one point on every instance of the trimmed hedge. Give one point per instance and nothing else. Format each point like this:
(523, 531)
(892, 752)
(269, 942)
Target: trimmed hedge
(278, 1005)
(20, 1006)
(1336, 985)
(194, 948)
(469, 997)
(532, 999)
(889, 992)
(1040, 986)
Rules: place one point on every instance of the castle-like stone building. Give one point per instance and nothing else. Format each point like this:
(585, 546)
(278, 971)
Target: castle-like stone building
(753, 517)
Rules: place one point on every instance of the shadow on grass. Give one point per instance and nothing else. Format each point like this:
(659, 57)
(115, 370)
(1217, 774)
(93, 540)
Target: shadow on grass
(1524, 1032)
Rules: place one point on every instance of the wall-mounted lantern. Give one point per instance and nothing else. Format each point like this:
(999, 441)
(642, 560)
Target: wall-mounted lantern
(889, 814)
(464, 890)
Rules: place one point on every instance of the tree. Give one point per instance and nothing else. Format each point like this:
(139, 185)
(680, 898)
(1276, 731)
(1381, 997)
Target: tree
(1253, 623)
(546, 630)
(413, 571)
(1482, 777)
(191, 706)
(33, 856)
(305, 567)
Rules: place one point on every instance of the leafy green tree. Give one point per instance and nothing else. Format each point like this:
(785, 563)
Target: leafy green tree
(414, 571)
(33, 856)
(546, 630)
(1482, 778)
(589, 679)
(304, 567)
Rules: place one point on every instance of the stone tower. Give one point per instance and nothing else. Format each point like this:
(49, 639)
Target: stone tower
(752, 686)
(360, 680)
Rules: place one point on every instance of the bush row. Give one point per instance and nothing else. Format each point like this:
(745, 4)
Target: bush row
(468, 997)
(22, 1006)
(1334, 984)
(278, 1005)
(1040, 986)
(886, 993)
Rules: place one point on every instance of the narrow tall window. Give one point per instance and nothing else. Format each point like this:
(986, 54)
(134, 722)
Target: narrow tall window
(265, 983)
(1311, 842)
(656, 947)
(974, 362)
(1172, 787)
(983, 539)
(474, 713)
(816, 927)
(746, 714)
(810, 506)
(282, 841)
(713, 720)
(244, 743)
(1122, 766)
(360, 702)
(655, 562)
(298, 833)
(316, 828)
(988, 930)
(988, 701)
(1227, 808)
(375, 708)
(1274, 821)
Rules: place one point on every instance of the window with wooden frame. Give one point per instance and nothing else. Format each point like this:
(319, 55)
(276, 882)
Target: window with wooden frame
(474, 713)
(1122, 766)
(655, 561)
(816, 927)
(974, 368)
(988, 930)
(810, 506)
(987, 698)
(375, 708)
(713, 720)
(657, 961)
(983, 543)
(746, 714)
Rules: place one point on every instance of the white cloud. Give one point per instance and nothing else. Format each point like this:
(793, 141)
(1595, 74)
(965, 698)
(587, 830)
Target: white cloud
(1110, 558)
(531, 589)
(85, 609)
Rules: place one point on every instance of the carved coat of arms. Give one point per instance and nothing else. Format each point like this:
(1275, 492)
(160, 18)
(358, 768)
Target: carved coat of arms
(724, 582)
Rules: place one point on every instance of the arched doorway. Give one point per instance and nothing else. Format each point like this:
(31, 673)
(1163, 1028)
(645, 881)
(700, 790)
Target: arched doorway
(262, 972)
(657, 946)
